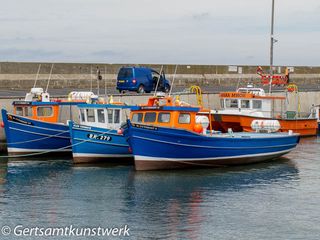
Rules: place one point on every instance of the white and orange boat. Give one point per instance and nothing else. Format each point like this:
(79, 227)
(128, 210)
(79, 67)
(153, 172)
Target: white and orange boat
(239, 109)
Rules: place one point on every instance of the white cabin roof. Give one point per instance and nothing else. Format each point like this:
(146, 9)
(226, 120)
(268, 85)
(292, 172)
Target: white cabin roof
(252, 90)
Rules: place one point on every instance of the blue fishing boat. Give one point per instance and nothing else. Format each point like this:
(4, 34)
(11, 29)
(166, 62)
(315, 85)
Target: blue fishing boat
(38, 125)
(165, 135)
(99, 137)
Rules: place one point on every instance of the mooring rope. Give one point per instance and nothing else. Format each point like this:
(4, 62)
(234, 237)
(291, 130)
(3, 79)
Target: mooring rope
(51, 150)
(39, 139)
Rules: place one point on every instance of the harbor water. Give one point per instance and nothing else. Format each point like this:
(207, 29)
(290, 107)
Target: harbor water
(274, 200)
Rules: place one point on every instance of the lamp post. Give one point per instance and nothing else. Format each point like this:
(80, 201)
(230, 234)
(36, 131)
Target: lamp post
(272, 41)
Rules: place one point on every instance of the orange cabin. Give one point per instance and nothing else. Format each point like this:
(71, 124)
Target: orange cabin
(165, 112)
(48, 112)
(43, 111)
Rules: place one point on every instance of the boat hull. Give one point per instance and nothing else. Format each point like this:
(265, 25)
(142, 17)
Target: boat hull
(221, 122)
(166, 148)
(25, 135)
(93, 144)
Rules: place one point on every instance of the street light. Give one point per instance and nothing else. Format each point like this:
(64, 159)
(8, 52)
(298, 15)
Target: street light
(272, 41)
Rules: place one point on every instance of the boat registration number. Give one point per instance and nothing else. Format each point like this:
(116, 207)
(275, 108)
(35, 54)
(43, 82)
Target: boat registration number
(99, 137)
(18, 120)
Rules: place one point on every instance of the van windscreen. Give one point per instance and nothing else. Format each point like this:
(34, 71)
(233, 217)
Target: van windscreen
(125, 73)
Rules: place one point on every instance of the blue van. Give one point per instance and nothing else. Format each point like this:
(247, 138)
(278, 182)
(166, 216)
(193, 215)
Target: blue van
(141, 79)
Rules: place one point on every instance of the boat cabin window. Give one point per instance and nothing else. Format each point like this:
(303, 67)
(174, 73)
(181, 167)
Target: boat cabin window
(232, 103)
(100, 114)
(116, 116)
(110, 115)
(90, 115)
(150, 117)
(257, 104)
(19, 111)
(164, 117)
(82, 115)
(245, 103)
(222, 103)
(184, 118)
(113, 115)
(44, 111)
(137, 117)
(28, 111)
(23, 111)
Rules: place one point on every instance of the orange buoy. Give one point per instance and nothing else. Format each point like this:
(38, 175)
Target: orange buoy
(198, 128)
(2, 124)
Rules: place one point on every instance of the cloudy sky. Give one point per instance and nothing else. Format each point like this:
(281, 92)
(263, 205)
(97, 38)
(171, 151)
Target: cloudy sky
(166, 31)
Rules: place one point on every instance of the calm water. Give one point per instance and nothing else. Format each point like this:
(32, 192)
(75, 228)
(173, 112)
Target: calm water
(277, 200)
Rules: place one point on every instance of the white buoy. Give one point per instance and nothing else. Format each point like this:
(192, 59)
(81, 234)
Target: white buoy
(265, 125)
(204, 121)
(80, 95)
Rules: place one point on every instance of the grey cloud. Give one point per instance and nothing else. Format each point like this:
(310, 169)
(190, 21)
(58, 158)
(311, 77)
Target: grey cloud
(103, 56)
(18, 19)
(6, 40)
(104, 53)
(204, 31)
(13, 54)
(201, 16)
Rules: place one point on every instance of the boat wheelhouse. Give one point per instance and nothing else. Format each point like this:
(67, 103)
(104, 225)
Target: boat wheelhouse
(165, 134)
(166, 112)
(99, 137)
(240, 108)
(251, 102)
(38, 125)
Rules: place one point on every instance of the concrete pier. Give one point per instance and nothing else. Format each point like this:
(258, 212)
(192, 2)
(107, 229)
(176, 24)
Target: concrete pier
(21, 76)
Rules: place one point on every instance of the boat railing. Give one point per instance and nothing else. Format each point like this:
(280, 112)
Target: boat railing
(293, 115)
(289, 114)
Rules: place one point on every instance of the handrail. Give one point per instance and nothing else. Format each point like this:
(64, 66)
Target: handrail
(197, 90)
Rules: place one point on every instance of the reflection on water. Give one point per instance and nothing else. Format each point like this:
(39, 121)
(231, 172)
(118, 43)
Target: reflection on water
(246, 202)
(181, 197)
(3, 174)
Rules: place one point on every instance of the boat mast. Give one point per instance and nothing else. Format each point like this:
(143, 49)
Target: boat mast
(174, 76)
(272, 41)
(49, 77)
(37, 76)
